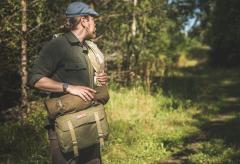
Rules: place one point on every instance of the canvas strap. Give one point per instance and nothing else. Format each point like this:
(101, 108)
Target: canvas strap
(74, 139)
(96, 56)
(96, 59)
(90, 71)
(99, 129)
(60, 106)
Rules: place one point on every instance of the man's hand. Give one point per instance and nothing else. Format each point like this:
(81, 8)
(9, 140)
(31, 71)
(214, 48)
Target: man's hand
(48, 84)
(102, 78)
(85, 93)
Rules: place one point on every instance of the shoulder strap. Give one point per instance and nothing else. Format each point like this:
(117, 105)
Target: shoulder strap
(90, 71)
(96, 56)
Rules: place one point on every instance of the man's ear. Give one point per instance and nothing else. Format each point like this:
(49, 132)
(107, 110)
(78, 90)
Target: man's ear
(84, 20)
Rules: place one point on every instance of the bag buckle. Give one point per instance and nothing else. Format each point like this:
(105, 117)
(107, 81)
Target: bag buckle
(101, 135)
(74, 143)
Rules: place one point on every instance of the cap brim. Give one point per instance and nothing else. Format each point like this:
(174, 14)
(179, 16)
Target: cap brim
(90, 12)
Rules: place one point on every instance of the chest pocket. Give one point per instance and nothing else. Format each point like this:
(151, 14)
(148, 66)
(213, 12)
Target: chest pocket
(74, 66)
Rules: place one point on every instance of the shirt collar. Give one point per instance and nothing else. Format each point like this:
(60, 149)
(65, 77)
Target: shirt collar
(72, 38)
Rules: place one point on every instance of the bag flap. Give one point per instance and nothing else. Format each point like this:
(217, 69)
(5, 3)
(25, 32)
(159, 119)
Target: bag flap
(80, 118)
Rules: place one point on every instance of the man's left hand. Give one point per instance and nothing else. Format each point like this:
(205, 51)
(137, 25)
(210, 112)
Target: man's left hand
(102, 78)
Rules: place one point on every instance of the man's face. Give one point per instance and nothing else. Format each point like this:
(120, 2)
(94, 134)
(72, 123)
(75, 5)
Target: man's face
(91, 27)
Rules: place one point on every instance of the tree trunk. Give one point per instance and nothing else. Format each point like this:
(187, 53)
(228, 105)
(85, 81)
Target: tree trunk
(134, 22)
(23, 66)
(133, 31)
(147, 77)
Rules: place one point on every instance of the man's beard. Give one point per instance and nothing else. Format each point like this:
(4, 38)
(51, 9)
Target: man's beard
(92, 35)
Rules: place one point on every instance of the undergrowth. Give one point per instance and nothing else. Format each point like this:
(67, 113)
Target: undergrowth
(145, 129)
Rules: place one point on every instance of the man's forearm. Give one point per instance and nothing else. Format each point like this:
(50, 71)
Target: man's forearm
(48, 84)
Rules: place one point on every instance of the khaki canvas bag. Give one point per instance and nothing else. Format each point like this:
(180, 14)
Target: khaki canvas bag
(82, 129)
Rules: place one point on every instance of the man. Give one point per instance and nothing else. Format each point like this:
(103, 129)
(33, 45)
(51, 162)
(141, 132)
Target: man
(63, 67)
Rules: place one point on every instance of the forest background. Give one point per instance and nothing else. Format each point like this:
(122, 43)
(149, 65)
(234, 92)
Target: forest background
(179, 59)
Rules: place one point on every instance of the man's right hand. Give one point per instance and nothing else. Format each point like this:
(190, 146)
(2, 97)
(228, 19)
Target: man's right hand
(51, 85)
(85, 93)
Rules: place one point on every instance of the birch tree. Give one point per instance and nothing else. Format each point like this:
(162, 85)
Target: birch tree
(23, 64)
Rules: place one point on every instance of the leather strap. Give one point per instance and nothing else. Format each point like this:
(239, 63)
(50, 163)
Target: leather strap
(99, 129)
(74, 139)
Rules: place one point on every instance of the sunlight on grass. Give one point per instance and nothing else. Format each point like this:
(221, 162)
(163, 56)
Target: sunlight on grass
(145, 127)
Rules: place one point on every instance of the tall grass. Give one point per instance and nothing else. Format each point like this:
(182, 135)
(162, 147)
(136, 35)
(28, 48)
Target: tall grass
(145, 127)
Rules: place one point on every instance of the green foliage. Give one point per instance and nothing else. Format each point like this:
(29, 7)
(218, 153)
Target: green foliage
(25, 143)
(43, 20)
(216, 23)
(10, 50)
(115, 25)
(224, 35)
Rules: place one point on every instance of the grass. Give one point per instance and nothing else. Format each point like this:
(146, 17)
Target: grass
(193, 119)
(144, 127)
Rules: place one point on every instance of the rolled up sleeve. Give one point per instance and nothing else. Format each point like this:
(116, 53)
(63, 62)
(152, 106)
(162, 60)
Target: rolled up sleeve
(44, 66)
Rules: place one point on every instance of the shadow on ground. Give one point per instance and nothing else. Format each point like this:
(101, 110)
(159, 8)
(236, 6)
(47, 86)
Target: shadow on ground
(217, 94)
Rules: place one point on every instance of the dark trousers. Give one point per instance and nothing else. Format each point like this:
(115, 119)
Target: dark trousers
(90, 155)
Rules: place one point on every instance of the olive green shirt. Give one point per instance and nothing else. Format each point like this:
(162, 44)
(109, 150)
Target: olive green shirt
(63, 59)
